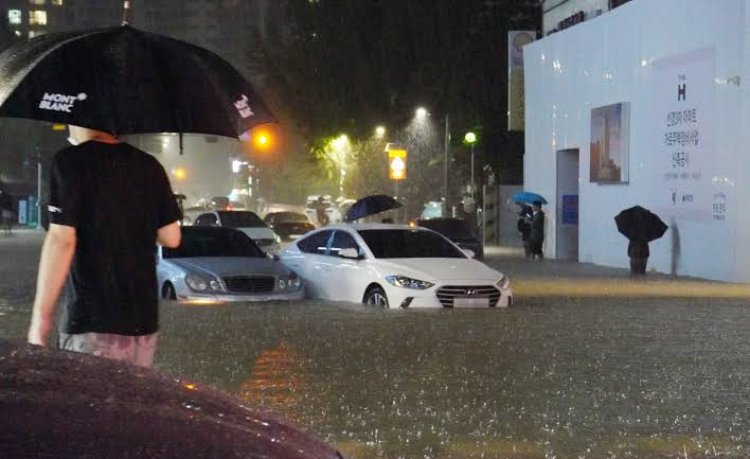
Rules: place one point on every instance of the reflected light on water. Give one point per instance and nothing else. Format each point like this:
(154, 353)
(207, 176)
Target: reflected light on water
(276, 380)
(590, 288)
(202, 302)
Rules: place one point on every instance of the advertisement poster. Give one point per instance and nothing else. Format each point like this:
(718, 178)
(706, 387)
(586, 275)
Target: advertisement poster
(683, 97)
(610, 143)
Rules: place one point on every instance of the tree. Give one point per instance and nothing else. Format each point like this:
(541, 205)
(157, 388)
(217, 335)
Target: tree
(346, 65)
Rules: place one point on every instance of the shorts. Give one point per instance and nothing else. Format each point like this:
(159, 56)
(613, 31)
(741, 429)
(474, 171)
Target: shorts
(138, 350)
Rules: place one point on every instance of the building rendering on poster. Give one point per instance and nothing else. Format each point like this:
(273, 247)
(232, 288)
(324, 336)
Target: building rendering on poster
(609, 143)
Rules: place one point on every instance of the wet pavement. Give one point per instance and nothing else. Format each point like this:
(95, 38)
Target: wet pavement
(588, 363)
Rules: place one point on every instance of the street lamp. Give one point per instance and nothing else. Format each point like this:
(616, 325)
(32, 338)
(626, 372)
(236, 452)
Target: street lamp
(341, 146)
(471, 139)
(422, 114)
(380, 132)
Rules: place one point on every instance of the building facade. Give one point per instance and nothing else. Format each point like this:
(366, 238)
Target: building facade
(30, 18)
(629, 109)
(560, 14)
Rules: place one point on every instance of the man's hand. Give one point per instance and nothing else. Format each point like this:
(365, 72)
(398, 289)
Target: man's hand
(39, 330)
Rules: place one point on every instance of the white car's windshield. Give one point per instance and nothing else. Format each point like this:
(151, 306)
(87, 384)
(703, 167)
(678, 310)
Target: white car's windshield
(213, 242)
(404, 243)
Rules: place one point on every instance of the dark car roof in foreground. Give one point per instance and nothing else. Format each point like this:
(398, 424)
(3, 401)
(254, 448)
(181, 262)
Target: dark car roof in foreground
(68, 404)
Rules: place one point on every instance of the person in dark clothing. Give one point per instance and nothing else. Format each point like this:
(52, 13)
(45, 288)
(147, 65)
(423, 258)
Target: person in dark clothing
(536, 237)
(109, 205)
(523, 226)
(638, 253)
(320, 211)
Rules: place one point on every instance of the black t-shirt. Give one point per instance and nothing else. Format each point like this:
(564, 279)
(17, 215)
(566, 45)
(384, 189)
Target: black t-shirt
(116, 197)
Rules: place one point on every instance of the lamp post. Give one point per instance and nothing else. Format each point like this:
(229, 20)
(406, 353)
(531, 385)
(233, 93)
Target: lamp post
(421, 115)
(445, 168)
(471, 138)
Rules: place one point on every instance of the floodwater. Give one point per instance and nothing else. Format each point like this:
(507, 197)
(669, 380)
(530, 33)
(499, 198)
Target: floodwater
(576, 378)
(580, 377)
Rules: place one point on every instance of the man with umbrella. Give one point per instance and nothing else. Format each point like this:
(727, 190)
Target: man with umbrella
(536, 237)
(640, 226)
(109, 204)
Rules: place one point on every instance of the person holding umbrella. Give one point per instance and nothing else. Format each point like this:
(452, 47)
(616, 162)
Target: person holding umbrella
(638, 253)
(640, 226)
(536, 237)
(109, 204)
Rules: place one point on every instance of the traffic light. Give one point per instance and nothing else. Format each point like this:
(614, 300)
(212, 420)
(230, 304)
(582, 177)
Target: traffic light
(397, 164)
(263, 139)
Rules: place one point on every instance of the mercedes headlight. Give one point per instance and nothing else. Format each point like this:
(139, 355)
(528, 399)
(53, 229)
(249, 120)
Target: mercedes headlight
(201, 284)
(408, 282)
(293, 282)
(503, 283)
(196, 283)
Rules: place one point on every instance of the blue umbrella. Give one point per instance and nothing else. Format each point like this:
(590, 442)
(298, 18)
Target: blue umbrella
(371, 205)
(527, 197)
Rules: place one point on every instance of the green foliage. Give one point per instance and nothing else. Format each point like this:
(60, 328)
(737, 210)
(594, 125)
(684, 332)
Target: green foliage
(332, 66)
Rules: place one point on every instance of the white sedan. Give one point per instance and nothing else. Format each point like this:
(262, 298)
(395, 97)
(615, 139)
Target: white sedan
(393, 266)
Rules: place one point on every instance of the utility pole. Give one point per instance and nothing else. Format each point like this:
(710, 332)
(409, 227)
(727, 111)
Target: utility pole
(445, 167)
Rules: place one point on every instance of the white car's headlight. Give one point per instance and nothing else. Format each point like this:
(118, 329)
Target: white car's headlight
(277, 238)
(201, 284)
(503, 283)
(408, 282)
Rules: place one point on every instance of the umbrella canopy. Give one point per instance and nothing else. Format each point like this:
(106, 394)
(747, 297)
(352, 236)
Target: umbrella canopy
(66, 404)
(527, 197)
(371, 205)
(639, 224)
(125, 81)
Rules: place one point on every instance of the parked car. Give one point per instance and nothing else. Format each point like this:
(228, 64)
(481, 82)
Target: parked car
(222, 264)
(246, 221)
(393, 266)
(288, 225)
(460, 231)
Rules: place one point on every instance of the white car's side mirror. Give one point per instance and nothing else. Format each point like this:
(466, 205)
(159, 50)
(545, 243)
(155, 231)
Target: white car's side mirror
(469, 253)
(349, 253)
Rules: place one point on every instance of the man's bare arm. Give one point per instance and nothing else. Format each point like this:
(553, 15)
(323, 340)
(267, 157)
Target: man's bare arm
(169, 235)
(54, 265)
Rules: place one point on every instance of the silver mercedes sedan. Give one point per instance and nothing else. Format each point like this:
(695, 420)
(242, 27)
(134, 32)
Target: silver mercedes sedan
(215, 264)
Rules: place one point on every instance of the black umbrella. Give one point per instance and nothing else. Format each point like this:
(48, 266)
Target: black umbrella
(65, 404)
(371, 205)
(125, 81)
(639, 224)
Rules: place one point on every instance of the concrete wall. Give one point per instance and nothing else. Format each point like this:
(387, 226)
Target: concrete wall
(639, 54)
